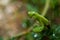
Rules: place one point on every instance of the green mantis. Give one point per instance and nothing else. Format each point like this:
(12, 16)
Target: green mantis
(38, 17)
(41, 19)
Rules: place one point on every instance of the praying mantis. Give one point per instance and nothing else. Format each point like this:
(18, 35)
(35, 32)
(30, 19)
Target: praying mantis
(41, 19)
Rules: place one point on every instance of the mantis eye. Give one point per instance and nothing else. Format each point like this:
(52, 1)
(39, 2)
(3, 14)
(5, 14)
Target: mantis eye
(31, 13)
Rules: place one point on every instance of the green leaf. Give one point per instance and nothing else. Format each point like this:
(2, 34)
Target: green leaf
(38, 29)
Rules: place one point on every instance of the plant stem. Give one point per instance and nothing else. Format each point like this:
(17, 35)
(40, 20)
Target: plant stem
(24, 32)
(46, 8)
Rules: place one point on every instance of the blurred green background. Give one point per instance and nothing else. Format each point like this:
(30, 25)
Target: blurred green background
(50, 31)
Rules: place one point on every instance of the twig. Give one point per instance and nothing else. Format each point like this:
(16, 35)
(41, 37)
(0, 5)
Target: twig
(46, 8)
(24, 32)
